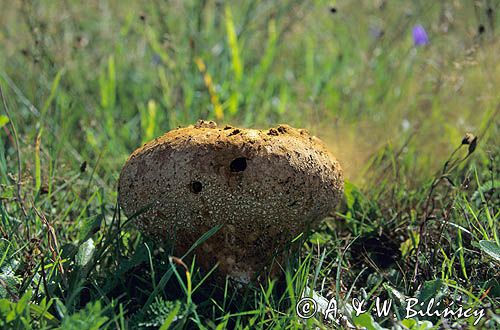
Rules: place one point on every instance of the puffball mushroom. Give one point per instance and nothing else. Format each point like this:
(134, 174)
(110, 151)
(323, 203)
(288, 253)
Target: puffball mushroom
(264, 187)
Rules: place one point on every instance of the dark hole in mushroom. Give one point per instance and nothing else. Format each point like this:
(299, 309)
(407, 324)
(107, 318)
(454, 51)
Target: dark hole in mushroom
(234, 132)
(196, 187)
(238, 164)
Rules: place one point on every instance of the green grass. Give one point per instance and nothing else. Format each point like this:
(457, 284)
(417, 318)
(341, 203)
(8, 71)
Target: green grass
(84, 85)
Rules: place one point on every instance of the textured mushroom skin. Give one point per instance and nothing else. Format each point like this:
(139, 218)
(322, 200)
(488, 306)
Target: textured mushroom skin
(264, 186)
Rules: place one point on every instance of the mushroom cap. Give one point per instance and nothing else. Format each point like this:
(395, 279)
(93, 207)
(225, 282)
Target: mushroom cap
(264, 187)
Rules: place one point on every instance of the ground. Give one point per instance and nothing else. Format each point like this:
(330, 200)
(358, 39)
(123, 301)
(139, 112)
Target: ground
(412, 116)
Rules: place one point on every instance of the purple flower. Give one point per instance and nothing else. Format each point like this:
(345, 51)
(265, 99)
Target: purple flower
(419, 35)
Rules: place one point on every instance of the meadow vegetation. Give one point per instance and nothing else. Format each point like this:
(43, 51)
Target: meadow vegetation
(84, 84)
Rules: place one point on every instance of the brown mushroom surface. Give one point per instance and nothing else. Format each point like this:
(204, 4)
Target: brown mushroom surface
(264, 187)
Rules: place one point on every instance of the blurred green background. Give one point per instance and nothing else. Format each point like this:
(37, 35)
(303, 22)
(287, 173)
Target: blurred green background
(102, 77)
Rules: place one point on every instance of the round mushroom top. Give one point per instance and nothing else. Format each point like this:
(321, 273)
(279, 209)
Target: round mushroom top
(263, 186)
